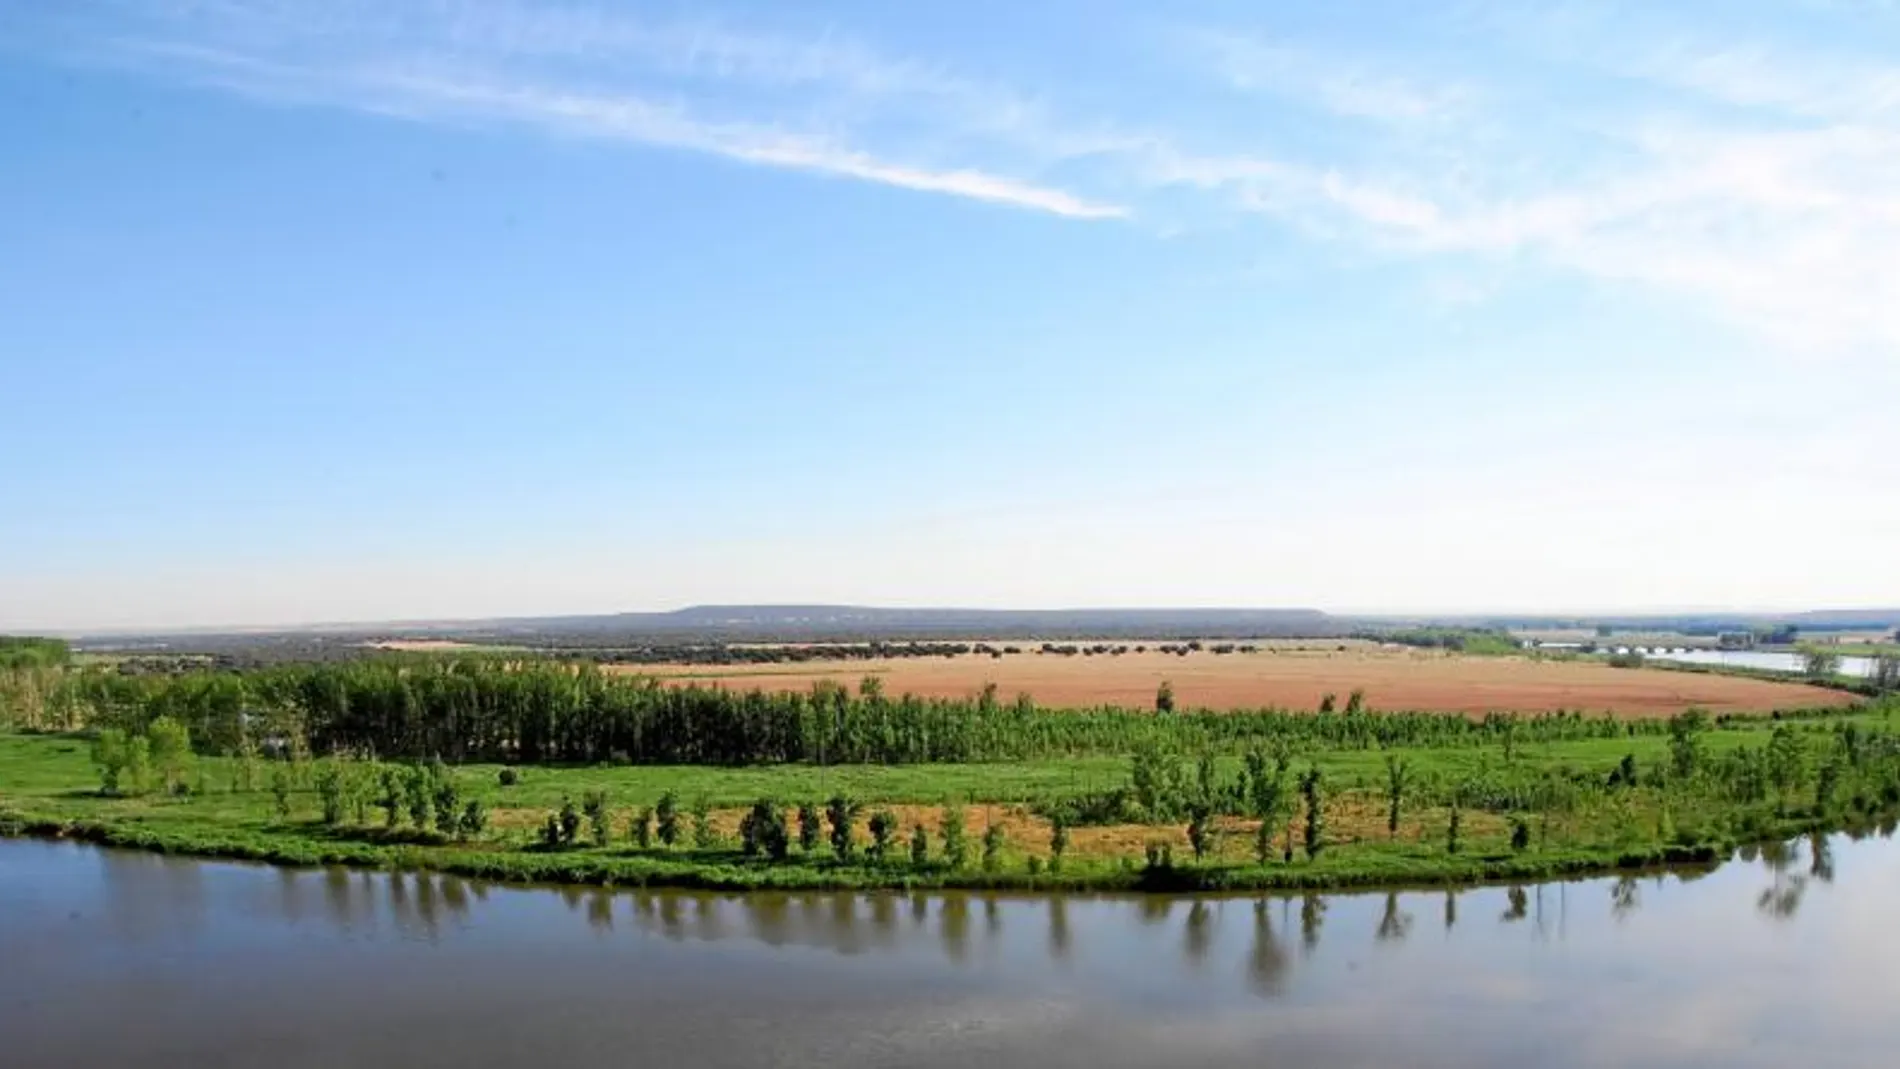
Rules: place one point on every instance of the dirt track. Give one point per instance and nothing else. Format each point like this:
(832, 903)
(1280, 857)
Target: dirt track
(1392, 680)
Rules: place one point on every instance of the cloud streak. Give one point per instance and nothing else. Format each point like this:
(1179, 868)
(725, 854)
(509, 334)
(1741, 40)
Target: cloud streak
(585, 72)
(1758, 185)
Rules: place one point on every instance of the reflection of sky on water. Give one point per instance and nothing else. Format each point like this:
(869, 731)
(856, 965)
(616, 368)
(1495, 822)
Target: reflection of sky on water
(1777, 958)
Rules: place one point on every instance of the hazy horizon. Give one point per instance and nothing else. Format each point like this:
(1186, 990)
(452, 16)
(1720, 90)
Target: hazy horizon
(374, 310)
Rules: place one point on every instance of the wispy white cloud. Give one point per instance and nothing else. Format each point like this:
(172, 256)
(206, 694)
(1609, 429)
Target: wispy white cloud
(1757, 183)
(590, 72)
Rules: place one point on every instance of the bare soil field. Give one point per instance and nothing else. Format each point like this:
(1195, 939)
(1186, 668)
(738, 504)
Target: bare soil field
(1392, 679)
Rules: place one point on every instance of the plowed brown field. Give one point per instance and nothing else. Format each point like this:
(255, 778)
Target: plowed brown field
(1392, 680)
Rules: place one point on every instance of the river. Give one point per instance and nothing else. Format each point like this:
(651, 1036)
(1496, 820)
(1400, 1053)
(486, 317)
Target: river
(110, 958)
(1766, 660)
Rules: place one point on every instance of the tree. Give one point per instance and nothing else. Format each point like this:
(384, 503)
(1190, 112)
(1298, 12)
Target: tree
(763, 831)
(569, 822)
(643, 828)
(1685, 743)
(415, 795)
(1397, 772)
(280, 792)
(171, 753)
(1327, 703)
(840, 813)
(883, 833)
(447, 799)
(1820, 663)
(1356, 702)
(111, 753)
(1520, 834)
(1058, 842)
(668, 816)
(330, 791)
(919, 846)
(138, 763)
(1200, 829)
(600, 815)
(993, 839)
(474, 819)
(810, 827)
(390, 799)
(1312, 787)
(956, 848)
(1164, 697)
(705, 836)
(1453, 828)
(1885, 675)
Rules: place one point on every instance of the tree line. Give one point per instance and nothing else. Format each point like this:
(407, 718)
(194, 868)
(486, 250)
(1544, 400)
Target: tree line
(548, 712)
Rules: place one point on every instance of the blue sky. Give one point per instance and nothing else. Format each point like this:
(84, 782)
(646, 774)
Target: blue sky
(377, 309)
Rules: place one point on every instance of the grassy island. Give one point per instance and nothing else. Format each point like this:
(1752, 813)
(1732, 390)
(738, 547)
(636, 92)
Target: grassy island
(537, 770)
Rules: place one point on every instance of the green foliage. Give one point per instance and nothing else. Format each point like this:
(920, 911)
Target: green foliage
(567, 823)
(993, 840)
(919, 846)
(1819, 662)
(390, 783)
(840, 813)
(508, 776)
(445, 798)
(1200, 829)
(956, 847)
(280, 791)
(1312, 788)
(416, 796)
(1397, 772)
(1454, 828)
(111, 753)
(600, 816)
(1520, 835)
(667, 814)
(1685, 743)
(883, 826)
(763, 831)
(330, 791)
(642, 829)
(1164, 697)
(170, 744)
(811, 827)
(1058, 843)
(474, 820)
(705, 836)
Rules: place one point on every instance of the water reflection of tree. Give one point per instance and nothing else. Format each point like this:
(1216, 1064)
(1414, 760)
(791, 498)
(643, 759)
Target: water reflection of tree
(1625, 896)
(1197, 935)
(1781, 899)
(600, 911)
(1394, 925)
(1517, 905)
(1267, 966)
(1312, 918)
(954, 927)
(1451, 910)
(1059, 927)
(1821, 853)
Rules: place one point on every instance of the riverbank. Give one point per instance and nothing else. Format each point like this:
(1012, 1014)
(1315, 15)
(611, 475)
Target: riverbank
(1469, 814)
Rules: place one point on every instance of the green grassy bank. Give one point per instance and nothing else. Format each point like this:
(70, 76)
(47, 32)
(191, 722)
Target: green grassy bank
(1468, 813)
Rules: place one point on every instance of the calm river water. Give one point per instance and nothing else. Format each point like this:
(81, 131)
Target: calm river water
(122, 959)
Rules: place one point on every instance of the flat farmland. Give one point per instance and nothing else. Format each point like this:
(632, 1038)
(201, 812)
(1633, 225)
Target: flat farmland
(1403, 679)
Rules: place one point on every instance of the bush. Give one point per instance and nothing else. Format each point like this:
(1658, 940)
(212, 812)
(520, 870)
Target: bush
(840, 812)
(508, 776)
(993, 839)
(883, 834)
(956, 848)
(810, 827)
(474, 819)
(667, 818)
(642, 829)
(919, 846)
